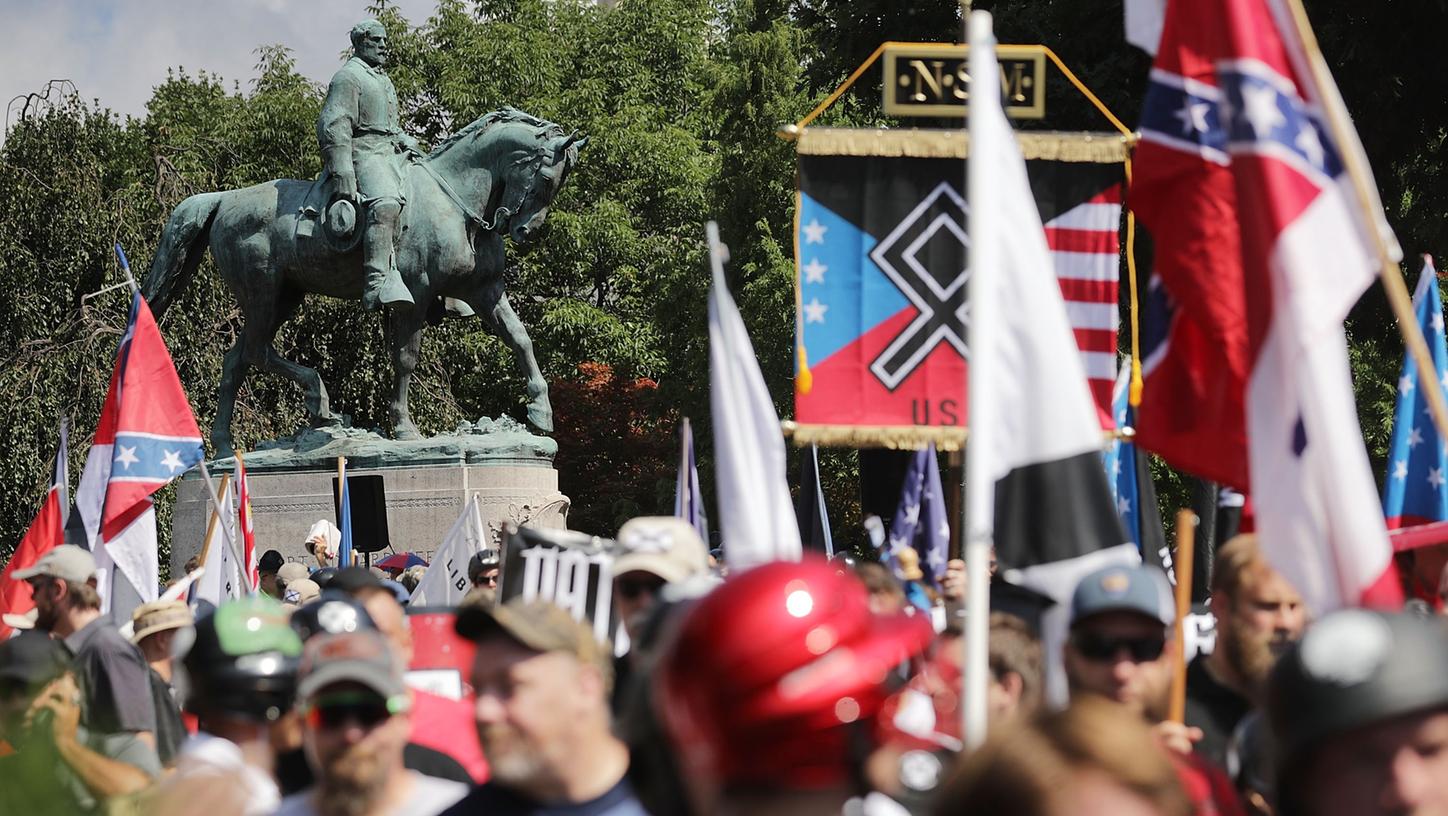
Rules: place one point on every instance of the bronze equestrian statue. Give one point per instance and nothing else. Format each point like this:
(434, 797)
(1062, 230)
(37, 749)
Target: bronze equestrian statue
(274, 242)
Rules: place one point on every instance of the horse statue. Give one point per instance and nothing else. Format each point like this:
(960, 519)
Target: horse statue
(496, 176)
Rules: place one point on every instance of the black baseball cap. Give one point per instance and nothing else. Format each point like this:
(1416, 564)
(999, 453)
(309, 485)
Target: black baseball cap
(354, 579)
(271, 561)
(33, 658)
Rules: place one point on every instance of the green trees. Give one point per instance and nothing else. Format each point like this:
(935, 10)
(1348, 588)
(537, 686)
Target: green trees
(680, 99)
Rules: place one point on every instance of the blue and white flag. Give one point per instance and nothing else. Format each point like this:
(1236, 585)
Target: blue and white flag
(1416, 488)
(920, 521)
(344, 521)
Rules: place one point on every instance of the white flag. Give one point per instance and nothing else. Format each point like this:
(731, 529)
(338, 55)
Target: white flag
(221, 581)
(756, 514)
(1144, 20)
(446, 580)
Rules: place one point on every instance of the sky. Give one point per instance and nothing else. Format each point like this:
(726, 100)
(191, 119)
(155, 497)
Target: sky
(117, 51)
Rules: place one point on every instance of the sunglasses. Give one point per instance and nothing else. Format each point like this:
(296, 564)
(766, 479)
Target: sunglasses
(1100, 648)
(337, 710)
(633, 588)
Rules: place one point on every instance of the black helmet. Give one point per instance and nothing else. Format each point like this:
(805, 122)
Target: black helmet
(333, 613)
(1352, 669)
(482, 560)
(324, 577)
(244, 660)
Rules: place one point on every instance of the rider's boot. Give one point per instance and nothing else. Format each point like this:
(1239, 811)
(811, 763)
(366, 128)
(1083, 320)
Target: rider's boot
(384, 286)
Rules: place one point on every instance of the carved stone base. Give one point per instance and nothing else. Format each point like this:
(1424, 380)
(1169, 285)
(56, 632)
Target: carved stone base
(423, 501)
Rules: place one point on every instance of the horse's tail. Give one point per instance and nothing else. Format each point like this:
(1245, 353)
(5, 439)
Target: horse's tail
(183, 243)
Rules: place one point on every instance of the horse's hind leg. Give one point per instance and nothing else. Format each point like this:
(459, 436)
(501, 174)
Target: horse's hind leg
(407, 325)
(261, 353)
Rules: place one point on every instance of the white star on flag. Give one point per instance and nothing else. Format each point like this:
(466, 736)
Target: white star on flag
(944, 530)
(912, 514)
(1436, 321)
(935, 559)
(1308, 143)
(1193, 116)
(1415, 437)
(1123, 506)
(1261, 112)
(172, 460)
(127, 456)
(1444, 379)
(814, 271)
(814, 232)
(1405, 384)
(897, 544)
(814, 311)
(1400, 469)
(1435, 477)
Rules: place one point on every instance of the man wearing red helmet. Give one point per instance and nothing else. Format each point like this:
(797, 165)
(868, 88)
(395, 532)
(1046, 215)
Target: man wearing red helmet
(771, 687)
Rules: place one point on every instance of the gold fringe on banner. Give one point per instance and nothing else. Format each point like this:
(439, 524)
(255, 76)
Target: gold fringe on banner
(919, 143)
(893, 437)
(899, 437)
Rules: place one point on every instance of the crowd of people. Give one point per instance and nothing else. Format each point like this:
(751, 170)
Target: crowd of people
(811, 687)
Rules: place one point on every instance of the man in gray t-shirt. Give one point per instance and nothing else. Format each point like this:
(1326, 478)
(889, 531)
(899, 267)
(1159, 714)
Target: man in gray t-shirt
(113, 676)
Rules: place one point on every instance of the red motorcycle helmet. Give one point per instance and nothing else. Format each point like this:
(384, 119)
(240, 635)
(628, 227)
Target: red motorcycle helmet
(767, 674)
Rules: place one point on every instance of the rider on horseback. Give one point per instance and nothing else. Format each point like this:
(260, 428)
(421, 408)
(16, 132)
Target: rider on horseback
(361, 138)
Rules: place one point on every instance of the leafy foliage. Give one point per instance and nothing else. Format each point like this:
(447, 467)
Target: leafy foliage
(681, 100)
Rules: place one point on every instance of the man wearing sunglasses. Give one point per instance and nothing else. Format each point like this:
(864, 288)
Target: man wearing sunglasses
(355, 724)
(1121, 647)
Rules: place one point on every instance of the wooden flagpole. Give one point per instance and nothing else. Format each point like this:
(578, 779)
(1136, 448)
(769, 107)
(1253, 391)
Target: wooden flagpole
(211, 523)
(1388, 270)
(1186, 528)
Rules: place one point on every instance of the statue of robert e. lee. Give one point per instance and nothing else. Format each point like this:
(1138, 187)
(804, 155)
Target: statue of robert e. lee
(364, 152)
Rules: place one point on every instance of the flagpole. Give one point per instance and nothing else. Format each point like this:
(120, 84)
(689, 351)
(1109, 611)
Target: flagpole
(1388, 269)
(211, 521)
(1186, 522)
(216, 508)
(342, 497)
(979, 486)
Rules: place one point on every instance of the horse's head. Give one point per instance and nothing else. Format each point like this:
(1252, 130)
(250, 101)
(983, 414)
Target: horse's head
(531, 181)
(548, 171)
(527, 160)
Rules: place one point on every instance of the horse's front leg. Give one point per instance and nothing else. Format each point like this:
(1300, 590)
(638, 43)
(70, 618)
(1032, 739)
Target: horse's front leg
(491, 303)
(407, 325)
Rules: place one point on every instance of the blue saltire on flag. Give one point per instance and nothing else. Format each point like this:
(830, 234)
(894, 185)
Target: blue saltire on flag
(1416, 488)
(344, 524)
(920, 520)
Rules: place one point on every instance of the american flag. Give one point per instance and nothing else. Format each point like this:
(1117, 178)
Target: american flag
(1086, 252)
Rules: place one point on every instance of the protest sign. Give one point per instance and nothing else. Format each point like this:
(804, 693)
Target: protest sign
(573, 570)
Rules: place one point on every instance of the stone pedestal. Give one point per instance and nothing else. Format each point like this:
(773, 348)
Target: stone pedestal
(427, 484)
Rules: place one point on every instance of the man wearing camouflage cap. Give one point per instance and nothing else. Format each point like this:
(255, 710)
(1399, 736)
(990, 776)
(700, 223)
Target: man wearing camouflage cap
(1359, 711)
(542, 681)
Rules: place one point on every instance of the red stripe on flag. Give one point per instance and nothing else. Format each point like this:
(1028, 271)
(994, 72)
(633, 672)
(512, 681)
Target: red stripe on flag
(1111, 195)
(1098, 242)
(1096, 339)
(1089, 291)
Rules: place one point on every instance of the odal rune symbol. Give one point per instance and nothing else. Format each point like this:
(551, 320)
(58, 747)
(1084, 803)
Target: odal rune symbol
(925, 257)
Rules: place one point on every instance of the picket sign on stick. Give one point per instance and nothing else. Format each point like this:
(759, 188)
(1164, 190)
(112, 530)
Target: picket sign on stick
(1186, 535)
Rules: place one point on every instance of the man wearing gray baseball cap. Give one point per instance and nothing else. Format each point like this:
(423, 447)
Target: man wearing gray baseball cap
(355, 708)
(112, 673)
(1120, 644)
